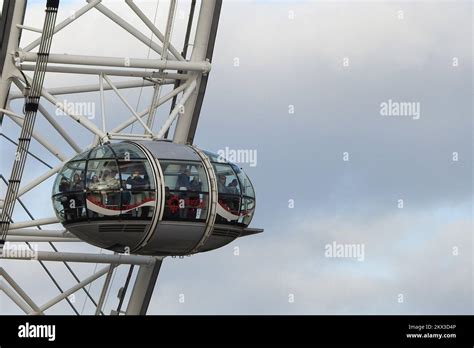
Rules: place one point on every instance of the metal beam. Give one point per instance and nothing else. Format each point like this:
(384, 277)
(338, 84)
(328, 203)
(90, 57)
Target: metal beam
(75, 288)
(15, 298)
(65, 23)
(52, 121)
(210, 9)
(80, 257)
(184, 53)
(129, 28)
(32, 184)
(129, 107)
(25, 27)
(154, 29)
(143, 288)
(90, 88)
(202, 86)
(20, 291)
(161, 101)
(32, 223)
(164, 57)
(102, 101)
(123, 62)
(29, 153)
(177, 109)
(67, 69)
(12, 14)
(78, 118)
(19, 120)
(105, 287)
(24, 239)
(30, 232)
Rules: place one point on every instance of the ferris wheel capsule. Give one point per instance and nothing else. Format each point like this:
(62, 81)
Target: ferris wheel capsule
(154, 198)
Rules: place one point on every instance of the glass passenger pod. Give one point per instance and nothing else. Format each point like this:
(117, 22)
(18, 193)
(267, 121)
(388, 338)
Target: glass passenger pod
(236, 196)
(108, 182)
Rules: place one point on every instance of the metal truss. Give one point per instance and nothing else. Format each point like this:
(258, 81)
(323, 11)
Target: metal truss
(187, 75)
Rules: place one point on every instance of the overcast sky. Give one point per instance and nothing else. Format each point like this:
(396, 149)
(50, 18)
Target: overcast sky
(333, 64)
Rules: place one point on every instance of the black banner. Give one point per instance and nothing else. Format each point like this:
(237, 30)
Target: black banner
(223, 330)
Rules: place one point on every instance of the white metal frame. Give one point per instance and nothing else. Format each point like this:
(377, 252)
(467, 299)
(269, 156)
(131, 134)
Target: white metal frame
(171, 67)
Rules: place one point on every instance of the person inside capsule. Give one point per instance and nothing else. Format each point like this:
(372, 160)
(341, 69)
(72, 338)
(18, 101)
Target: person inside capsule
(138, 184)
(183, 181)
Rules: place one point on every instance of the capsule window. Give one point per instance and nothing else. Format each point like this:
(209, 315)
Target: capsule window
(181, 176)
(138, 189)
(246, 185)
(102, 152)
(102, 175)
(127, 151)
(215, 157)
(59, 207)
(71, 178)
(229, 198)
(227, 182)
(247, 210)
(136, 175)
(81, 156)
(103, 188)
(186, 191)
(68, 192)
